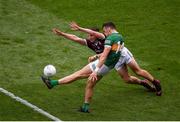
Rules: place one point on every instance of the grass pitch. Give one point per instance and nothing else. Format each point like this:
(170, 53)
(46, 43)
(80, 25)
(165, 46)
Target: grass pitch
(151, 32)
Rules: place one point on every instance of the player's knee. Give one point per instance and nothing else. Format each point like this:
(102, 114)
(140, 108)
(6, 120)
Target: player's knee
(78, 75)
(90, 84)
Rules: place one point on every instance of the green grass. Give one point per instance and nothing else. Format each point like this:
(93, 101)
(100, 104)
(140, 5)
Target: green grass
(151, 31)
(11, 110)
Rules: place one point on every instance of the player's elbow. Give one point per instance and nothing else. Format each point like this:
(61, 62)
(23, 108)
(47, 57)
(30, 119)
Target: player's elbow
(75, 39)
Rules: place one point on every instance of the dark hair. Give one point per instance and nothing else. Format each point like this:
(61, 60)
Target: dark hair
(95, 29)
(109, 24)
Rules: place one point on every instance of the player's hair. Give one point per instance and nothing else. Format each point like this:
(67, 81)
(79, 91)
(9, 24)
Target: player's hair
(109, 24)
(95, 29)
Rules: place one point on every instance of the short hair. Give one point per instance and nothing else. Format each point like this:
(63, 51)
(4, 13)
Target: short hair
(109, 24)
(95, 29)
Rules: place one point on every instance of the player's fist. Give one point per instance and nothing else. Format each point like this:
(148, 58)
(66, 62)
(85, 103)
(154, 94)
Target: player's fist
(92, 58)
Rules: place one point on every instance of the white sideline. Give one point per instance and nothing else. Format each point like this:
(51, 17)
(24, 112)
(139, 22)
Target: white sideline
(35, 108)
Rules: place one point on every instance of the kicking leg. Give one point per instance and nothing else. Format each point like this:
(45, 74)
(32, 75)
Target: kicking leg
(83, 73)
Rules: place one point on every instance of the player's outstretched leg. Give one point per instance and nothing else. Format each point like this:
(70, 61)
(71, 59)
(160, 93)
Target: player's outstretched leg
(143, 73)
(123, 72)
(83, 73)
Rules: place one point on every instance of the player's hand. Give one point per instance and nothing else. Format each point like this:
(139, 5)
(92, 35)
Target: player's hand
(56, 31)
(91, 59)
(93, 77)
(74, 26)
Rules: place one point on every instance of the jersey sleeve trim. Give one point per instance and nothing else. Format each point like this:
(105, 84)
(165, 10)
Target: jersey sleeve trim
(107, 45)
(108, 42)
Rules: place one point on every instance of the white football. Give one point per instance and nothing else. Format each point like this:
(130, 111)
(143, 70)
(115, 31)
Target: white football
(49, 70)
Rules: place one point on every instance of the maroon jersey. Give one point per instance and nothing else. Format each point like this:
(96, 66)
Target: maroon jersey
(97, 45)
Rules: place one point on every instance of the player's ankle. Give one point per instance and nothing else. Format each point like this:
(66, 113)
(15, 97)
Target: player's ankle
(85, 107)
(54, 83)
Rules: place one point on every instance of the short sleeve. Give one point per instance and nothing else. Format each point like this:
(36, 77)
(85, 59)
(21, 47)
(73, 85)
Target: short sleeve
(108, 41)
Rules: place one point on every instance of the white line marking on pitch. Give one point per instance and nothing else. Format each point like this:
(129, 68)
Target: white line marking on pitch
(35, 108)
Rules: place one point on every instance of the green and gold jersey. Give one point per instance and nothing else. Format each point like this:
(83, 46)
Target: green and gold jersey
(114, 41)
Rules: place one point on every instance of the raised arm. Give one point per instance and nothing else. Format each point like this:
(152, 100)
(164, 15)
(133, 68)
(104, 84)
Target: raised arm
(69, 36)
(75, 26)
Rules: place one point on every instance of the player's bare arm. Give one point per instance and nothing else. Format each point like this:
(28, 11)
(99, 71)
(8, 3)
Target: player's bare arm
(69, 36)
(103, 56)
(75, 26)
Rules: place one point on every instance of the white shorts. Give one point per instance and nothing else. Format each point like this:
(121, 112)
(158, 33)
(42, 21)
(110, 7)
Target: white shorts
(126, 57)
(102, 71)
